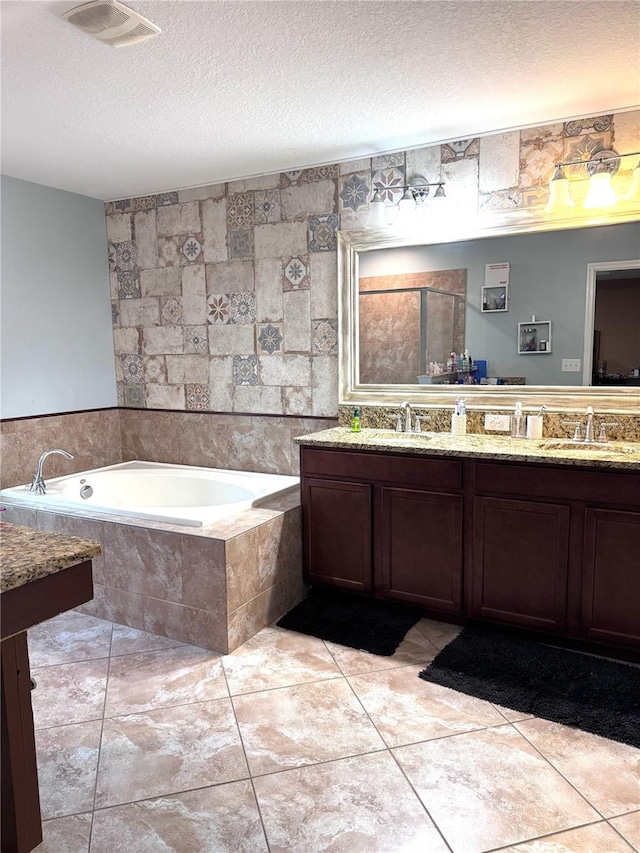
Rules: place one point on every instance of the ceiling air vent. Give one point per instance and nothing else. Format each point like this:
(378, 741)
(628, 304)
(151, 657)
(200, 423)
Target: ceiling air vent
(111, 22)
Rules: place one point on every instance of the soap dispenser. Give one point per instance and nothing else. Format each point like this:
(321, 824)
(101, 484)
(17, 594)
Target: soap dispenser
(518, 423)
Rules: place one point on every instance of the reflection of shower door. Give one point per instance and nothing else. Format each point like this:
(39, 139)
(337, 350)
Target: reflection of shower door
(403, 331)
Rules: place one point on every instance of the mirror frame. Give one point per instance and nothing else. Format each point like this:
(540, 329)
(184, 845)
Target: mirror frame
(351, 244)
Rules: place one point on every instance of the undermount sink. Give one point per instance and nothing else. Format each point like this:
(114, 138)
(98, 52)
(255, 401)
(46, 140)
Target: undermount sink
(605, 446)
(392, 435)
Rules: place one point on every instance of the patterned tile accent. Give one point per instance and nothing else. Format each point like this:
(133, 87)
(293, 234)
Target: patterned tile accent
(145, 202)
(323, 233)
(319, 173)
(460, 149)
(198, 397)
(218, 310)
(266, 204)
(535, 196)
(195, 339)
(241, 244)
(354, 192)
(290, 179)
(585, 125)
(270, 337)
(171, 310)
(123, 205)
(242, 307)
(132, 368)
(166, 198)
(134, 395)
(180, 250)
(129, 284)
(125, 256)
(538, 155)
(583, 148)
(192, 249)
(387, 181)
(324, 337)
(245, 370)
(388, 161)
(295, 273)
(240, 211)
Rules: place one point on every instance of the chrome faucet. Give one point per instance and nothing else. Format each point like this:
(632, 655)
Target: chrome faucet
(37, 483)
(406, 408)
(588, 430)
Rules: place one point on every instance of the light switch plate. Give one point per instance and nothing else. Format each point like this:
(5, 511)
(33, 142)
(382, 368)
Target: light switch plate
(497, 423)
(571, 365)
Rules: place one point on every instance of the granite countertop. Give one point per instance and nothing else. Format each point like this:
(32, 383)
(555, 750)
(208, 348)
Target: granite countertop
(31, 554)
(551, 451)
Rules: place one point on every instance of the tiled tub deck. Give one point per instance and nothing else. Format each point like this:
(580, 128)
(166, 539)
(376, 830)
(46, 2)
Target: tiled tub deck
(213, 587)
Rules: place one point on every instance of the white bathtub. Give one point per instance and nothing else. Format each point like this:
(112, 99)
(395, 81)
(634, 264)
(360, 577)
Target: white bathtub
(177, 494)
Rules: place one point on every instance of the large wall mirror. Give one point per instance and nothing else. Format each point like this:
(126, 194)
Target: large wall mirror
(548, 312)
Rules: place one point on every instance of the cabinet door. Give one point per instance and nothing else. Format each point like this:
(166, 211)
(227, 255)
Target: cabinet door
(422, 548)
(337, 533)
(611, 579)
(521, 552)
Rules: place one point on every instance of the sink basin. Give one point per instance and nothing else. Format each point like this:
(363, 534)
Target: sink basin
(392, 436)
(605, 447)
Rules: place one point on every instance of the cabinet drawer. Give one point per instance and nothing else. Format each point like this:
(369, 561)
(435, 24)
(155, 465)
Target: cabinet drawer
(529, 481)
(404, 470)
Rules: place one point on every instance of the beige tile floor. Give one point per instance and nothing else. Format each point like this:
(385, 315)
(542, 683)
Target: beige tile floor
(294, 745)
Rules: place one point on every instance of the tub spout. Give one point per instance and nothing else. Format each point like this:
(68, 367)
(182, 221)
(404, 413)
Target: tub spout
(37, 483)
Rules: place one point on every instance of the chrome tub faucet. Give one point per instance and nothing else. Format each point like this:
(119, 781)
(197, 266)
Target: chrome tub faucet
(37, 483)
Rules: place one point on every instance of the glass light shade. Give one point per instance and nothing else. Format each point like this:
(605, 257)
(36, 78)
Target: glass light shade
(559, 194)
(600, 193)
(377, 212)
(633, 193)
(406, 209)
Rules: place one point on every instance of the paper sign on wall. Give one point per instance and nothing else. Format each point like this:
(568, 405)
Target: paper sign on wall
(496, 275)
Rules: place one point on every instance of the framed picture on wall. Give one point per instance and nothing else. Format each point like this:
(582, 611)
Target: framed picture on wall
(495, 298)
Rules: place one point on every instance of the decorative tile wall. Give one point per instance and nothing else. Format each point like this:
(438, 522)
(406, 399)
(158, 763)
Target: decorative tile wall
(225, 297)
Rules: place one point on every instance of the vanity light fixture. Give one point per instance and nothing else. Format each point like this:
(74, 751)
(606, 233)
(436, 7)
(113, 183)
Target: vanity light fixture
(414, 196)
(601, 166)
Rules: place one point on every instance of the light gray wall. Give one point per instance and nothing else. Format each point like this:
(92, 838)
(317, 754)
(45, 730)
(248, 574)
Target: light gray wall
(57, 345)
(547, 278)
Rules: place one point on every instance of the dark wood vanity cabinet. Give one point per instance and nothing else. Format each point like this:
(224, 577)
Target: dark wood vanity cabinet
(611, 580)
(550, 548)
(385, 525)
(337, 533)
(557, 549)
(520, 562)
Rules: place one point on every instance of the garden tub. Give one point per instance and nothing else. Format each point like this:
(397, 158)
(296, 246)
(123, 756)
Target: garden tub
(156, 491)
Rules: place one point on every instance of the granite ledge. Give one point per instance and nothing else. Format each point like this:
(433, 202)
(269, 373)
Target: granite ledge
(614, 455)
(28, 554)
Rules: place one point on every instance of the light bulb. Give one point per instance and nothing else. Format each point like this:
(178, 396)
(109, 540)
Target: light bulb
(600, 192)
(559, 194)
(377, 218)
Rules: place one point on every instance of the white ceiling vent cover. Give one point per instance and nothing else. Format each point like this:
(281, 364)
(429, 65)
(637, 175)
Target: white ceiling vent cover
(111, 22)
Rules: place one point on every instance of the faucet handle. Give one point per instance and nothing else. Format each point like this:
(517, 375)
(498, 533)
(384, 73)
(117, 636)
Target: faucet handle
(577, 435)
(399, 427)
(602, 432)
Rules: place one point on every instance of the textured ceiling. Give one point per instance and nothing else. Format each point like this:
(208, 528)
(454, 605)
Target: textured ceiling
(232, 89)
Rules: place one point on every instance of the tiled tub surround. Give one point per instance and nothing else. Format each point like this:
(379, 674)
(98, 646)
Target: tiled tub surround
(108, 436)
(225, 297)
(93, 438)
(213, 587)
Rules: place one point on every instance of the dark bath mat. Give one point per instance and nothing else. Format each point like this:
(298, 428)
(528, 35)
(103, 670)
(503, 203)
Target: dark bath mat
(591, 693)
(361, 623)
